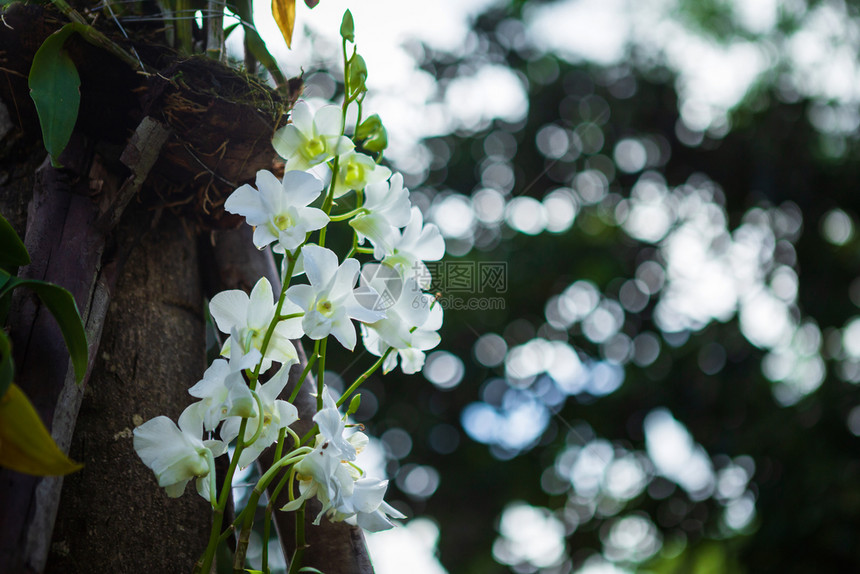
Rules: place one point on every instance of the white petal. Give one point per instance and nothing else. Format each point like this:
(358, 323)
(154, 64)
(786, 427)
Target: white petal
(270, 390)
(263, 236)
(286, 141)
(411, 361)
(344, 332)
(261, 307)
(229, 309)
(376, 228)
(425, 340)
(191, 422)
(345, 278)
(245, 201)
(177, 489)
(301, 188)
(287, 413)
(315, 325)
(312, 218)
(430, 246)
(327, 121)
(304, 296)
(302, 116)
(320, 265)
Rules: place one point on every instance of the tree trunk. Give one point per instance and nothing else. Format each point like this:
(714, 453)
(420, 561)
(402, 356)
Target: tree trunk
(114, 517)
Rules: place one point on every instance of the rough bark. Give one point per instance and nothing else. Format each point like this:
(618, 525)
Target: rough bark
(114, 517)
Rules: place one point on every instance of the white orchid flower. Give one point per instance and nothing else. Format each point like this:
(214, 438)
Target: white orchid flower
(311, 139)
(222, 390)
(387, 208)
(177, 454)
(356, 171)
(415, 245)
(329, 302)
(341, 488)
(421, 339)
(250, 318)
(279, 210)
(365, 508)
(406, 305)
(276, 415)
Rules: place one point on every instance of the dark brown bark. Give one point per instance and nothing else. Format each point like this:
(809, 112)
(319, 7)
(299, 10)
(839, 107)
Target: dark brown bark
(114, 517)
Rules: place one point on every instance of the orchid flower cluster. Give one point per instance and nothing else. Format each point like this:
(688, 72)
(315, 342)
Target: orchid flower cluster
(321, 296)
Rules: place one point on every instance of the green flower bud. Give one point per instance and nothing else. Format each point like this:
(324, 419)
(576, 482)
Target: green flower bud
(347, 27)
(357, 76)
(353, 405)
(373, 132)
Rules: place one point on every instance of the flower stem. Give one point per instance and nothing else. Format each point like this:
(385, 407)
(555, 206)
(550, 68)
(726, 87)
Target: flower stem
(348, 214)
(204, 565)
(260, 422)
(321, 374)
(313, 359)
(358, 382)
(250, 508)
(301, 544)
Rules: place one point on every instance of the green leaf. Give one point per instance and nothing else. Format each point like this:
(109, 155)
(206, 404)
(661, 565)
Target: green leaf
(62, 306)
(229, 29)
(257, 47)
(55, 89)
(12, 250)
(7, 365)
(310, 569)
(347, 27)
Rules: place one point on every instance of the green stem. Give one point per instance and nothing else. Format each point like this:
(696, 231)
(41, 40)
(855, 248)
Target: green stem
(296, 562)
(310, 434)
(321, 374)
(267, 519)
(348, 214)
(250, 508)
(290, 316)
(204, 565)
(260, 422)
(308, 367)
(358, 382)
(95, 37)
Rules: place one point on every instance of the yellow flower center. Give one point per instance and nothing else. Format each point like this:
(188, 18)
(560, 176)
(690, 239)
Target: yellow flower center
(324, 307)
(282, 221)
(354, 175)
(314, 147)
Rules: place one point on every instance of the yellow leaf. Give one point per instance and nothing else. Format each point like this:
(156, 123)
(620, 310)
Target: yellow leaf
(25, 444)
(284, 12)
